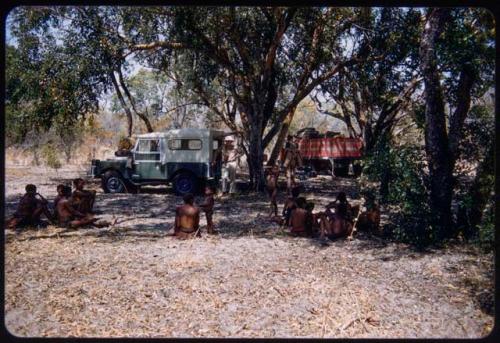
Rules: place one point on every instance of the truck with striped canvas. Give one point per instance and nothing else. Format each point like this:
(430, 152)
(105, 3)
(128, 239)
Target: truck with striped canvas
(330, 152)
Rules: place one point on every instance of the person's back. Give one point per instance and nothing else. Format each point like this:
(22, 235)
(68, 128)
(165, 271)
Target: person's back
(298, 220)
(187, 218)
(27, 205)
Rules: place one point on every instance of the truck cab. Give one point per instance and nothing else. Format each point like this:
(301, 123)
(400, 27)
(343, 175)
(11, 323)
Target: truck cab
(187, 158)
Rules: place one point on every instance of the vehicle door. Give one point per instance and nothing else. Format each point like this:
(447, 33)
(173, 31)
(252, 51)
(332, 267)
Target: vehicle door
(147, 161)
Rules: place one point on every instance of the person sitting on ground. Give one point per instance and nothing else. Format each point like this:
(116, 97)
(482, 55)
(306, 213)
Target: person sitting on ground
(67, 215)
(312, 224)
(83, 200)
(298, 219)
(290, 204)
(338, 224)
(187, 219)
(337, 227)
(369, 220)
(341, 206)
(30, 209)
(272, 188)
(60, 191)
(208, 207)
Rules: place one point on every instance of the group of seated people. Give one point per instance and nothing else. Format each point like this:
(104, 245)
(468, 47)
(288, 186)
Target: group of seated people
(299, 217)
(70, 209)
(73, 209)
(337, 221)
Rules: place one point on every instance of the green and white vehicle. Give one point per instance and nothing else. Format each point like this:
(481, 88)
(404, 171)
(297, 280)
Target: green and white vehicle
(187, 158)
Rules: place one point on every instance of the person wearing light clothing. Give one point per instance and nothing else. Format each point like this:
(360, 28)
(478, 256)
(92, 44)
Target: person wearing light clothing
(231, 163)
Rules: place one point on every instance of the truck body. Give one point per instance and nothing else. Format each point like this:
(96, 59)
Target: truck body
(330, 152)
(187, 158)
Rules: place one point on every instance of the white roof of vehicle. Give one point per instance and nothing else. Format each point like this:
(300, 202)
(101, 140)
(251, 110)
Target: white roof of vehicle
(183, 133)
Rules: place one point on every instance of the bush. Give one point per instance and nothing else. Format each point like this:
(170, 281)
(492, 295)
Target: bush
(50, 156)
(400, 173)
(486, 237)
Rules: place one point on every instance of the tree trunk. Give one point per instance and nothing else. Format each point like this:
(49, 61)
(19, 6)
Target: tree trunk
(436, 139)
(141, 115)
(281, 137)
(256, 159)
(122, 102)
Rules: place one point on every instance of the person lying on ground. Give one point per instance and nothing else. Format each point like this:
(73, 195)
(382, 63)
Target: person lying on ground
(29, 210)
(272, 188)
(83, 199)
(208, 207)
(187, 219)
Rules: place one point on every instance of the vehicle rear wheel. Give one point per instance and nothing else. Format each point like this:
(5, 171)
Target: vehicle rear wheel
(186, 183)
(112, 182)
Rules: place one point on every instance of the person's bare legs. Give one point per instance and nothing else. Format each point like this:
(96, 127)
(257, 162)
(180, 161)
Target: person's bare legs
(87, 220)
(210, 224)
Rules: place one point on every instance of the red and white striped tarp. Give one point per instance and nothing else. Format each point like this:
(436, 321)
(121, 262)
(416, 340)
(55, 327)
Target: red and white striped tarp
(335, 147)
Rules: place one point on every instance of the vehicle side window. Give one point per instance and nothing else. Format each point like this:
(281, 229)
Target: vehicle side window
(194, 144)
(148, 150)
(184, 144)
(174, 144)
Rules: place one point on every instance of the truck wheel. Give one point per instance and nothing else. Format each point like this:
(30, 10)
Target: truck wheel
(112, 182)
(185, 183)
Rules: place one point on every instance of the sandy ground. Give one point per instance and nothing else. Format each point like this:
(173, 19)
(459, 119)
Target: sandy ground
(132, 280)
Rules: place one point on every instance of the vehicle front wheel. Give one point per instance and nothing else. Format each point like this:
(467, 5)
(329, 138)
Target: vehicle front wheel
(185, 183)
(112, 182)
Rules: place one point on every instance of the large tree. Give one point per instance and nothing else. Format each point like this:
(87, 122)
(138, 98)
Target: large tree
(457, 62)
(251, 66)
(371, 98)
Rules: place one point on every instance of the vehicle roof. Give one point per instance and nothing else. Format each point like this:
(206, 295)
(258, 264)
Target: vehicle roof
(183, 132)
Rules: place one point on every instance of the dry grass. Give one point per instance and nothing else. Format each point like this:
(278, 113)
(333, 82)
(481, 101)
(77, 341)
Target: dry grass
(133, 281)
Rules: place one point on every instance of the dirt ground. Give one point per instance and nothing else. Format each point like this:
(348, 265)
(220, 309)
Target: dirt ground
(131, 280)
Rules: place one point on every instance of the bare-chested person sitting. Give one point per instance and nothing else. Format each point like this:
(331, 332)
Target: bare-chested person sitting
(67, 215)
(82, 199)
(272, 188)
(290, 204)
(338, 224)
(30, 209)
(341, 206)
(187, 219)
(298, 219)
(208, 207)
(60, 194)
(312, 220)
